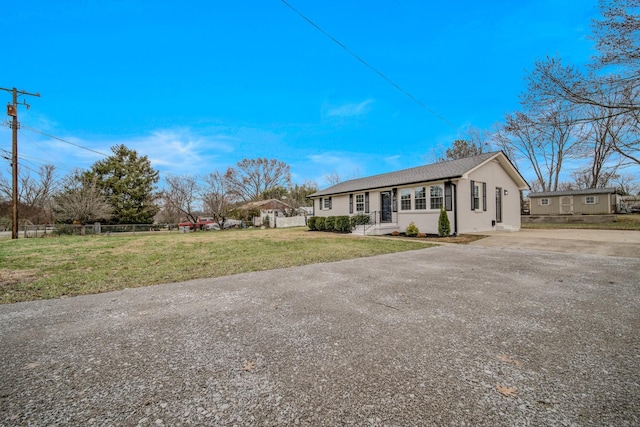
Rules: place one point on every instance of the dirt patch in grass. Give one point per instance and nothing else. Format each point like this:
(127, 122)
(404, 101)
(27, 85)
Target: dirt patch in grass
(13, 277)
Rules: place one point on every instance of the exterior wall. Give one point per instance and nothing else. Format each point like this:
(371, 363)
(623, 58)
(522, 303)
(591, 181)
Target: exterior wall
(494, 176)
(573, 205)
(425, 219)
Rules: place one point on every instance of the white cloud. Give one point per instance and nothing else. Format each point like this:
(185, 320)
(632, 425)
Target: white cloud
(350, 110)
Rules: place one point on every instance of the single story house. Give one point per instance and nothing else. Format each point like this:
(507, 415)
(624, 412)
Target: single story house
(479, 193)
(592, 201)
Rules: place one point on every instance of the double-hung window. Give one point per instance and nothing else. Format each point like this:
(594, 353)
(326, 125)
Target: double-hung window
(478, 189)
(436, 196)
(327, 203)
(359, 202)
(476, 197)
(420, 198)
(405, 199)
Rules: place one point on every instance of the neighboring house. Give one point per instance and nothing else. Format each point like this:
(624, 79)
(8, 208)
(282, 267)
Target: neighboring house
(268, 210)
(479, 193)
(593, 201)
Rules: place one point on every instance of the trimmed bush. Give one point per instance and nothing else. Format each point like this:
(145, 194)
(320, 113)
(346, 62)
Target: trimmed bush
(329, 223)
(342, 224)
(311, 223)
(360, 219)
(320, 223)
(444, 227)
(411, 230)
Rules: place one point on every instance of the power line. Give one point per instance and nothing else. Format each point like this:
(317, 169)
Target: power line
(371, 67)
(63, 140)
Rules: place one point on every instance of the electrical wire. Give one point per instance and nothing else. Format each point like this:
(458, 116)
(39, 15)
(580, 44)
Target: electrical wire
(63, 140)
(371, 67)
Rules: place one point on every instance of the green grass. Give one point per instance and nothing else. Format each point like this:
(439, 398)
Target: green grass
(623, 222)
(43, 268)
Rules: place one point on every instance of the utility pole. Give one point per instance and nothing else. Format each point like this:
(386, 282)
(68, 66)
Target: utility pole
(12, 110)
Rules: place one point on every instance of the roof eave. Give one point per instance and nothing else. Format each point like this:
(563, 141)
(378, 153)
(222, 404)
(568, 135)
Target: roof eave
(447, 178)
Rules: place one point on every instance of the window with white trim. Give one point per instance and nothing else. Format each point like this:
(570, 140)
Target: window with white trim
(545, 202)
(436, 193)
(327, 203)
(476, 196)
(405, 199)
(420, 195)
(359, 202)
(590, 200)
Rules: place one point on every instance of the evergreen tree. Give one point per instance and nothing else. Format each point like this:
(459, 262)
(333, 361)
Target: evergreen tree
(127, 181)
(444, 227)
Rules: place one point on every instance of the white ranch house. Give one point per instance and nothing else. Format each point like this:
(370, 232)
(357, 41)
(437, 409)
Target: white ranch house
(479, 193)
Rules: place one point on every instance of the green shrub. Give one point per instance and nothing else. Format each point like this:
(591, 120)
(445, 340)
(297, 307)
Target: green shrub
(411, 230)
(342, 224)
(444, 227)
(320, 223)
(329, 223)
(360, 219)
(311, 223)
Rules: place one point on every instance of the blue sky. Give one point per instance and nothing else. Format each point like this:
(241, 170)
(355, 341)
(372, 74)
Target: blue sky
(199, 85)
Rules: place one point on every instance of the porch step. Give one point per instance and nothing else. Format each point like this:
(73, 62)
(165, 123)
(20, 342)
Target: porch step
(375, 230)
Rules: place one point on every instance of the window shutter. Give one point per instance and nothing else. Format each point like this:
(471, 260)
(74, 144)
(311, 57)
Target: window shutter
(473, 189)
(330, 203)
(484, 196)
(366, 202)
(320, 203)
(350, 203)
(448, 199)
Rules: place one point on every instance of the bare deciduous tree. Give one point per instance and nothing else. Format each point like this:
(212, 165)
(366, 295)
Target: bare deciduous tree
(181, 195)
(34, 194)
(80, 200)
(332, 178)
(253, 177)
(217, 198)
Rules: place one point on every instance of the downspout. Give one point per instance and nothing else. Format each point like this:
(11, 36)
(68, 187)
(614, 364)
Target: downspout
(455, 209)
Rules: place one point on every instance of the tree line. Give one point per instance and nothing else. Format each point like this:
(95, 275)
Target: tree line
(122, 189)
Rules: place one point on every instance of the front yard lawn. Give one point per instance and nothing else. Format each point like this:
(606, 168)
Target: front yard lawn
(43, 268)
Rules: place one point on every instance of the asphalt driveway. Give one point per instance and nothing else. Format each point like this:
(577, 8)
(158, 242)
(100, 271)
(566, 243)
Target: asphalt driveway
(453, 335)
(597, 242)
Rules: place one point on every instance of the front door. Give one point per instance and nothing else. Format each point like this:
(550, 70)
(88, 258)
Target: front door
(385, 206)
(498, 204)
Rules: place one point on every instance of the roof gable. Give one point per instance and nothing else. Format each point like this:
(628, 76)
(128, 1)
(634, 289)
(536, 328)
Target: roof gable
(433, 172)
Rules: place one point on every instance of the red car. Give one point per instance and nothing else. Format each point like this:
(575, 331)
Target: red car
(200, 223)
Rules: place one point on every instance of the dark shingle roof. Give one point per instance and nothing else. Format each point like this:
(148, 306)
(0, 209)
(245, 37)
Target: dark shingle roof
(433, 172)
(573, 192)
